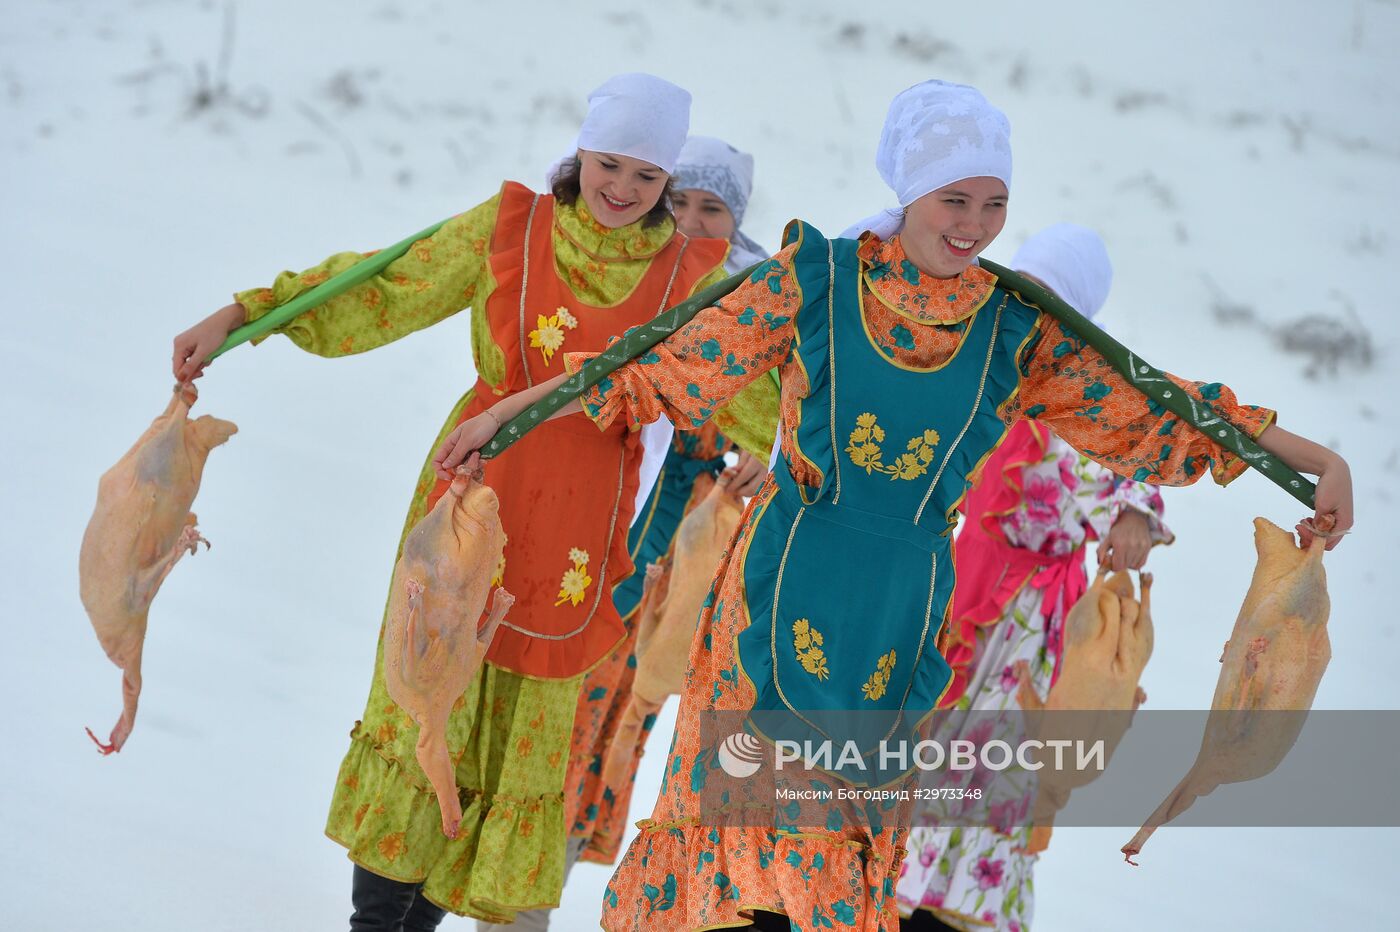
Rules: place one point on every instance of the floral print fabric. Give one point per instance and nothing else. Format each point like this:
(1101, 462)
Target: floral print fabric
(976, 877)
(681, 874)
(595, 811)
(508, 734)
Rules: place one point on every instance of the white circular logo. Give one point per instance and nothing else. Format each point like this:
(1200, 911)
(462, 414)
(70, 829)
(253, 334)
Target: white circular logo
(740, 755)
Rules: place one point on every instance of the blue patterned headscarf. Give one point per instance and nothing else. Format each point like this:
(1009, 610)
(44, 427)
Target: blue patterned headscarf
(713, 165)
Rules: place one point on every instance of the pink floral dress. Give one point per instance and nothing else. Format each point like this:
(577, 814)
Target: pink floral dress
(979, 877)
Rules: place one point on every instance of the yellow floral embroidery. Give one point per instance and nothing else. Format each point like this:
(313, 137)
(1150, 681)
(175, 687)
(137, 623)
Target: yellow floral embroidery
(499, 576)
(576, 581)
(807, 641)
(879, 681)
(548, 335)
(864, 445)
(864, 450)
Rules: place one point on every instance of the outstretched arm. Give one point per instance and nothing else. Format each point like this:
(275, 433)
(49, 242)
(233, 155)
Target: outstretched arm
(1333, 496)
(439, 276)
(685, 377)
(1071, 388)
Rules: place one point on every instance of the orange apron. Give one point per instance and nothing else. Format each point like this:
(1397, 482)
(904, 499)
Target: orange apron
(567, 488)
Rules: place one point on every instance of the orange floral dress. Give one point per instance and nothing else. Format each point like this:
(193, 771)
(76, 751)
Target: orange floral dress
(594, 810)
(683, 874)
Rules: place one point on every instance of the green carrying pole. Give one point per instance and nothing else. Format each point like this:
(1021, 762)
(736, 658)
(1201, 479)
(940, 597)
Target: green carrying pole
(1141, 375)
(1150, 380)
(332, 287)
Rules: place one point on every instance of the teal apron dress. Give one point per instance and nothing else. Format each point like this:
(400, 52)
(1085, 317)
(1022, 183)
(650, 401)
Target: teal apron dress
(848, 584)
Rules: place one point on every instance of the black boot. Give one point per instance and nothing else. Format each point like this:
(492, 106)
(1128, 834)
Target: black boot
(384, 905)
(423, 915)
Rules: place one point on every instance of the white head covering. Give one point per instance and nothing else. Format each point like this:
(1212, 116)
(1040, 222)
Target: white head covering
(936, 133)
(643, 117)
(713, 165)
(637, 115)
(1072, 261)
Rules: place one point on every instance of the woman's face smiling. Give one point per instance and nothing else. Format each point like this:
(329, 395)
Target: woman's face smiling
(619, 189)
(945, 229)
(700, 213)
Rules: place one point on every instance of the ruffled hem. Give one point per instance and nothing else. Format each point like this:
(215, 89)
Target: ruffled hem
(958, 641)
(935, 891)
(392, 826)
(608, 830)
(687, 876)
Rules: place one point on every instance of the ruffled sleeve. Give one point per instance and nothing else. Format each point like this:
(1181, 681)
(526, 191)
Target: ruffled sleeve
(1071, 388)
(709, 361)
(438, 276)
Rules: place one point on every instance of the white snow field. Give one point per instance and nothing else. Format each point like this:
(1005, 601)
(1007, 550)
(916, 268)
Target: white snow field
(1241, 159)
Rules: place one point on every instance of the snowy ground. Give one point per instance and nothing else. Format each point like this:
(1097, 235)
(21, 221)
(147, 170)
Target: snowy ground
(1237, 156)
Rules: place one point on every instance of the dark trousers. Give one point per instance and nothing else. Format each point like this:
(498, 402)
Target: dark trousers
(764, 921)
(921, 921)
(384, 905)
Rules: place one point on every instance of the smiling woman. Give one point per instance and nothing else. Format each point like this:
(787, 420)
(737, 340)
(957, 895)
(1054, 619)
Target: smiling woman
(713, 183)
(618, 189)
(543, 276)
(703, 212)
(712, 179)
(947, 228)
(849, 540)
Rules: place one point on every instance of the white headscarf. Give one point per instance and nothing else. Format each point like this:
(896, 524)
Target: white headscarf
(936, 133)
(1072, 261)
(637, 115)
(643, 117)
(713, 165)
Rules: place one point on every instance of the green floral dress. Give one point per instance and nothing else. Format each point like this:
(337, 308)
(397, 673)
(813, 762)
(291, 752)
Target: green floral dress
(509, 733)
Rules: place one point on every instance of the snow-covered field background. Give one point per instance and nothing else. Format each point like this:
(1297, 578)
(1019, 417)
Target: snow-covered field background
(1241, 159)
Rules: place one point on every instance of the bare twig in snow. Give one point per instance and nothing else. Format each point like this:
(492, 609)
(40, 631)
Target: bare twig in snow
(352, 155)
(459, 158)
(1155, 187)
(1241, 119)
(345, 88)
(1368, 241)
(1298, 129)
(1139, 100)
(1331, 344)
(1020, 72)
(922, 47)
(14, 90)
(205, 91)
(1328, 343)
(1228, 312)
